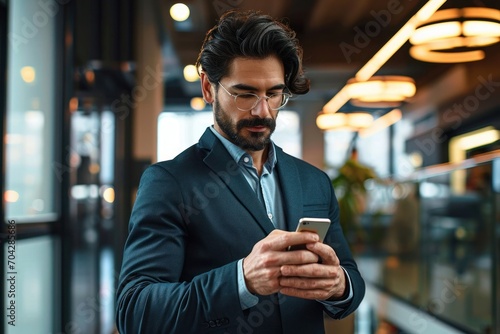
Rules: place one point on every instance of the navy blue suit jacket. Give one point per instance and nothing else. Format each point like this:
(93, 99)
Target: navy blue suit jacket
(194, 217)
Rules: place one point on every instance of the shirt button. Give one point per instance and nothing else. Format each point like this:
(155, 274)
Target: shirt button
(270, 215)
(246, 159)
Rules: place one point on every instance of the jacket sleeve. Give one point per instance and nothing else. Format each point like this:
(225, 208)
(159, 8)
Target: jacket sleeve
(337, 241)
(152, 296)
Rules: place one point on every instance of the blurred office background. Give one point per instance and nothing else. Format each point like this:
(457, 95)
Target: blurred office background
(93, 91)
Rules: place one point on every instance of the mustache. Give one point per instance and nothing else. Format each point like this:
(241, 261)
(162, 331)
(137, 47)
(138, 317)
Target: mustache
(267, 122)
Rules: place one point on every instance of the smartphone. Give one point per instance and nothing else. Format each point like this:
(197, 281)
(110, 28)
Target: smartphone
(317, 225)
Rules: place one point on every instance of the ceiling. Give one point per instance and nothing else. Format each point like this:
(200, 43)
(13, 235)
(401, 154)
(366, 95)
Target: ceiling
(330, 31)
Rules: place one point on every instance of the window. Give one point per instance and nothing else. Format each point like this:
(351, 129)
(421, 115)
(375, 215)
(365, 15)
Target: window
(374, 150)
(32, 101)
(31, 92)
(337, 145)
(179, 130)
(404, 162)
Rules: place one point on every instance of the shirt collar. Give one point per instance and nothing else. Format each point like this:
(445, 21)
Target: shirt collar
(238, 154)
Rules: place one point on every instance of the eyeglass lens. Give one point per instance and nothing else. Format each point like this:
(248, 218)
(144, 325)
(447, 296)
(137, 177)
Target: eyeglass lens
(249, 101)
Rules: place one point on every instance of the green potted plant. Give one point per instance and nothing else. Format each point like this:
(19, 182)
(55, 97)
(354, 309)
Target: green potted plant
(350, 189)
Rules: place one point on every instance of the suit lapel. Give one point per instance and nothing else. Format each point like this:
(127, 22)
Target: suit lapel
(291, 188)
(226, 169)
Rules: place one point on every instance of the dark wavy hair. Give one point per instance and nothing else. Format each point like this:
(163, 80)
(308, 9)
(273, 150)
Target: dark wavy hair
(251, 34)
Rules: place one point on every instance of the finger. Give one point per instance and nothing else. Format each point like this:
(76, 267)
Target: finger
(318, 294)
(298, 257)
(281, 240)
(313, 270)
(325, 252)
(308, 283)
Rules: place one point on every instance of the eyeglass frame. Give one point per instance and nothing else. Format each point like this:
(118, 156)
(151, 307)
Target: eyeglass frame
(286, 96)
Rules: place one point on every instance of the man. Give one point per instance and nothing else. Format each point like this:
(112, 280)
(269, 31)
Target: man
(209, 232)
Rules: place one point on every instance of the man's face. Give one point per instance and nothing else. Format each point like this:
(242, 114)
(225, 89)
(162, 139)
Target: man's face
(251, 130)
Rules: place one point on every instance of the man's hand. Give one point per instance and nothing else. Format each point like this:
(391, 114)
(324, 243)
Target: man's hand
(264, 265)
(322, 281)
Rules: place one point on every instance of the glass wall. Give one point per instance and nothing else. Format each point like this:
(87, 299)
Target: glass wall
(437, 246)
(32, 178)
(92, 202)
(31, 103)
(337, 147)
(383, 151)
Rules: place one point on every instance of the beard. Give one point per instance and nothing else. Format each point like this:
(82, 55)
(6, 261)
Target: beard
(255, 141)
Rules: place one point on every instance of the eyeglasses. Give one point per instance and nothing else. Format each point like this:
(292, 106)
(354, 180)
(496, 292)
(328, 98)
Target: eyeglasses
(248, 101)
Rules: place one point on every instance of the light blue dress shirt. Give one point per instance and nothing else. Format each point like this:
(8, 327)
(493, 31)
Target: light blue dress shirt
(269, 194)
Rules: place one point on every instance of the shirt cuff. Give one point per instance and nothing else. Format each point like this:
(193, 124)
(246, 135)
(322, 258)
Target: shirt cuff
(247, 299)
(343, 301)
